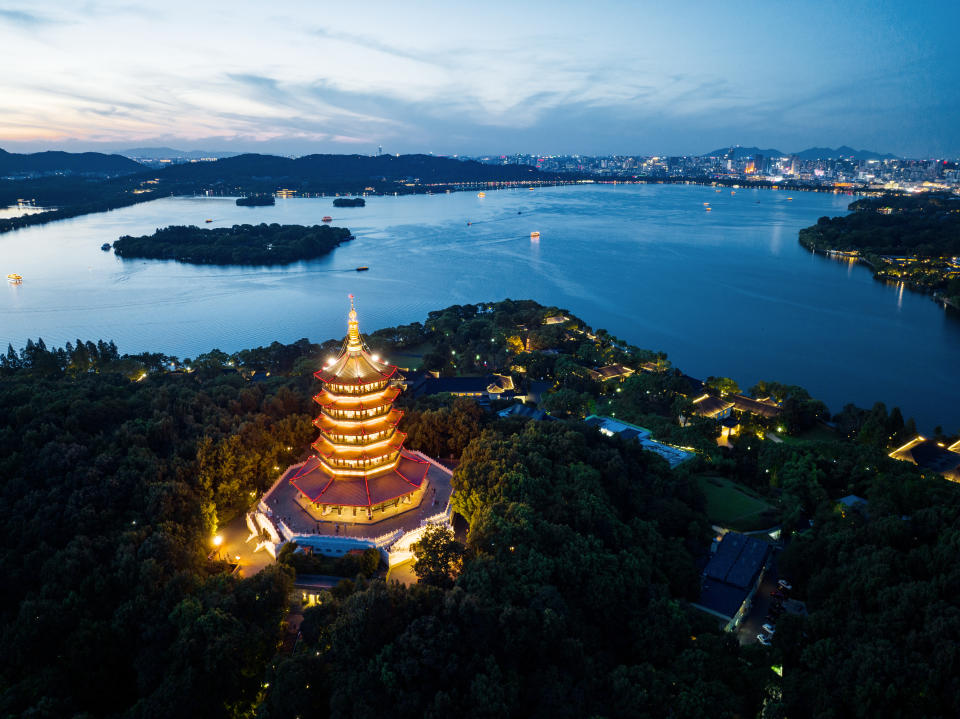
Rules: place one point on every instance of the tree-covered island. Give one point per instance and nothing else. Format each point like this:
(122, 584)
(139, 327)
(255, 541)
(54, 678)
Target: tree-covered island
(238, 245)
(259, 200)
(349, 202)
(913, 239)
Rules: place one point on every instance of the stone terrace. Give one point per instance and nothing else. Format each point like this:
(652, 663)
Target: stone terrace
(284, 503)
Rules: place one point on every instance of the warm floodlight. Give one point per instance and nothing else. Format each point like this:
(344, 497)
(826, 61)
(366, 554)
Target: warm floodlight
(217, 541)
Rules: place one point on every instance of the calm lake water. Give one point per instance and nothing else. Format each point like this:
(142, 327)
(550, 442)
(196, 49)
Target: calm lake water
(727, 292)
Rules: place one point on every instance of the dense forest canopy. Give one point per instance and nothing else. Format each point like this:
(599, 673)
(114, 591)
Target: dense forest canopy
(238, 245)
(567, 595)
(264, 200)
(926, 225)
(81, 163)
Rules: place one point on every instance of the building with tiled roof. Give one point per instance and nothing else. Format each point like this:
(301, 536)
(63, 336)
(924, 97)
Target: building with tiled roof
(359, 464)
(930, 455)
(609, 372)
(732, 576)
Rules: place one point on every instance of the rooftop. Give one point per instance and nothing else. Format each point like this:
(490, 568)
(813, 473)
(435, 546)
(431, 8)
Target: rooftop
(610, 426)
(732, 572)
(283, 502)
(931, 455)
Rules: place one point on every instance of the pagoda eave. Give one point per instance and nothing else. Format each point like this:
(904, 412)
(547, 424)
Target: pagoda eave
(320, 488)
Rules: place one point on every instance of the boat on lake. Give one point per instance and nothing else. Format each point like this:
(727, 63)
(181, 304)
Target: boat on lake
(327, 218)
(481, 194)
(362, 268)
(208, 220)
(535, 235)
(14, 279)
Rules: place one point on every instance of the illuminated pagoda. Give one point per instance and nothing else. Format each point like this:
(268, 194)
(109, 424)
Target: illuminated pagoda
(359, 466)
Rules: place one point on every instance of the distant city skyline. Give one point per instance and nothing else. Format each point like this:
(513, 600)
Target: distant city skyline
(539, 78)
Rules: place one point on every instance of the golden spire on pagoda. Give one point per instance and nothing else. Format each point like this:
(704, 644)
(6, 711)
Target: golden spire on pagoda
(353, 332)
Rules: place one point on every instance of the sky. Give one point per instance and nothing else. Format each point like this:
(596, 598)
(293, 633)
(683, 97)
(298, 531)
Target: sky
(596, 77)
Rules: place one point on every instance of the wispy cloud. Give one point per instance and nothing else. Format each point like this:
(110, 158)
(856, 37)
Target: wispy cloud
(25, 19)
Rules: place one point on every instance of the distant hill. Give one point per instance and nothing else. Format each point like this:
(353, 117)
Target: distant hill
(169, 152)
(318, 170)
(812, 153)
(81, 163)
(737, 152)
(826, 153)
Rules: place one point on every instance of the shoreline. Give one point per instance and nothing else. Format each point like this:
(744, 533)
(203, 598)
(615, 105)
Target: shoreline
(859, 258)
(69, 212)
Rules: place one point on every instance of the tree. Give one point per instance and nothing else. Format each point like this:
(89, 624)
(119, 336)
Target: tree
(439, 556)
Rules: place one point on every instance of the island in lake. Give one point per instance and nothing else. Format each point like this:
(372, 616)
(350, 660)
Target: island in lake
(238, 245)
(349, 202)
(914, 239)
(264, 200)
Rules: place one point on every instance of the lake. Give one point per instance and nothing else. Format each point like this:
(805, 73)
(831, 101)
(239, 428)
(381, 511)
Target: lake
(727, 292)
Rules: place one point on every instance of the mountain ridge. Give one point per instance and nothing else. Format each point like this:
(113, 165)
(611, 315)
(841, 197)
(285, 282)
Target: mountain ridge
(93, 163)
(811, 153)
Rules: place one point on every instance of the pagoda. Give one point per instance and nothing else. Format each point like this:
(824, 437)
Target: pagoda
(359, 465)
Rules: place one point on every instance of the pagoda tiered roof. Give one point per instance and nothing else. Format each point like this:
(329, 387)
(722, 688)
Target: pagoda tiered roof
(359, 459)
(358, 402)
(355, 368)
(319, 487)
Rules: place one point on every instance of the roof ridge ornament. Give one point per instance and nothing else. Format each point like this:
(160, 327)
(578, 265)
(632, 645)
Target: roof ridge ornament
(353, 330)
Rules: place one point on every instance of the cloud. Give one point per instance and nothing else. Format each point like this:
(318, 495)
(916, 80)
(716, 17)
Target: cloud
(25, 19)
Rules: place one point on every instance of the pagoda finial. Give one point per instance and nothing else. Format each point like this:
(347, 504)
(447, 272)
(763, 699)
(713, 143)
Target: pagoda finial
(353, 330)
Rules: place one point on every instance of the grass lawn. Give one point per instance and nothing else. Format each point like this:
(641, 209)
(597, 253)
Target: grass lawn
(411, 357)
(735, 506)
(818, 433)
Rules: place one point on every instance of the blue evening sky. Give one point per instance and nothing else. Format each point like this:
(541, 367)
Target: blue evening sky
(482, 77)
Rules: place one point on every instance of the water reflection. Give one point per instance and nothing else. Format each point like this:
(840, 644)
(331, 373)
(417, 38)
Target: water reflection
(729, 293)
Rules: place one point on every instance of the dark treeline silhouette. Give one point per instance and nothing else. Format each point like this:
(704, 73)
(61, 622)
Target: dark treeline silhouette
(349, 202)
(256, 201)
(81, 163)
(925, 225)
(238, 245)
(924, 229)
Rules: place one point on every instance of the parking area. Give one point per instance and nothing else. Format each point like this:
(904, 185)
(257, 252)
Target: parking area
(753, 624)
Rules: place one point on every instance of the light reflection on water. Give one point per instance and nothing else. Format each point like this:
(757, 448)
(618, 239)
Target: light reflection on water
(729, 292)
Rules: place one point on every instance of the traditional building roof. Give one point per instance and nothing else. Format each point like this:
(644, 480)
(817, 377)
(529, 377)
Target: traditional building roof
(764, 407)
(928, 454)
(610, 371)
(709, 406)
(359, 458)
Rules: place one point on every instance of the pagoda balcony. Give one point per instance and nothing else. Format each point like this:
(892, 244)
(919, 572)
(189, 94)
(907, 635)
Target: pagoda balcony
(358, 468)
(352, 415)
(355, 389)
(367, 401)
(353, 441)
(335, 453)
(368, 427)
